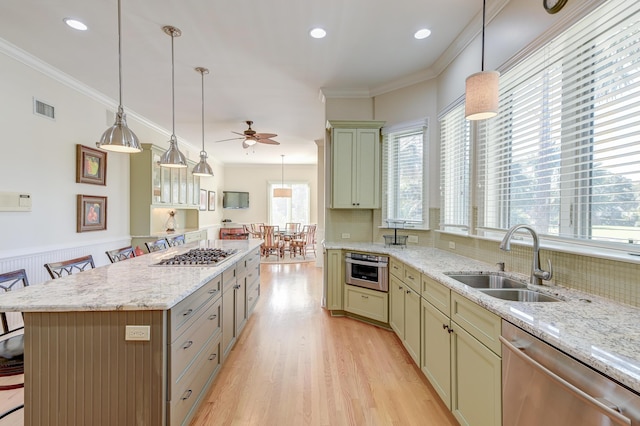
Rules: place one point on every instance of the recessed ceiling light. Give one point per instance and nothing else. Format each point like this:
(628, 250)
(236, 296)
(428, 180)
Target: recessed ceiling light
(75, 24)
(317, 33)
(422, 33)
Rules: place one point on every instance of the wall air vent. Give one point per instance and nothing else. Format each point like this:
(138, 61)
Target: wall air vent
(44, 110)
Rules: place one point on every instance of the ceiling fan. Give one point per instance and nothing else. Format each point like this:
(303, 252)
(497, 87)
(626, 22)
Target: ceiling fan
(251, 137)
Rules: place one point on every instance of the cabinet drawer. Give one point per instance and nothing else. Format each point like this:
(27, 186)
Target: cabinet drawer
(190, 237)
(182, 315)
(185, 349)
(189, 392)
(437, 294)
(477, 321)
(368, 303)
(396, 268)
(253, 294)
(412, 278)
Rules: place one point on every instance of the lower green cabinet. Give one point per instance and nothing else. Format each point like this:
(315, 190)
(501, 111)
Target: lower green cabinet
(436, 350)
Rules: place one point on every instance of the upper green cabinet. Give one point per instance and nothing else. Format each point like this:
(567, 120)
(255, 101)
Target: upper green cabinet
(355, 164)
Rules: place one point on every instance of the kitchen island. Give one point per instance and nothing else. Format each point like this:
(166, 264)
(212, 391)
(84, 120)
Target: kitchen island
(132, 343)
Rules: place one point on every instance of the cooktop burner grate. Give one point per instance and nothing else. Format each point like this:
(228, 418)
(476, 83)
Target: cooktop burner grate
(198, 257)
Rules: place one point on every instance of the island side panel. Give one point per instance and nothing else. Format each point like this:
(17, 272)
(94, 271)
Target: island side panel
(79, 370)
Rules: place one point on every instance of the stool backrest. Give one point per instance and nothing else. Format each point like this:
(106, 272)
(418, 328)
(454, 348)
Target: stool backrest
(157, 245)
(11, 281)
(121, 254)
(176, 240)
(68, 267)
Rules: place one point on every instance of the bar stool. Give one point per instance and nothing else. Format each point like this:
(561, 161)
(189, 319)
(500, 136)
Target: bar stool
(11, 348)
(176, 240)
(68, 267)
(157, 245)
(121, 254)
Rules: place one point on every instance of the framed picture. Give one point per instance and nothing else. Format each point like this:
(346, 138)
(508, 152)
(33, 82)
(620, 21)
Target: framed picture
(92, 213)
(91, 165)
(203, 199)
(212, 200)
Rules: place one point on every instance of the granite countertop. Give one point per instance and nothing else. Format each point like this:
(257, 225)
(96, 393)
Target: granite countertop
(599, 332)
(132, 284)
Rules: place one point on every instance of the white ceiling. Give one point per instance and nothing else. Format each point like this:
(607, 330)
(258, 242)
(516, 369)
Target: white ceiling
(264, 66)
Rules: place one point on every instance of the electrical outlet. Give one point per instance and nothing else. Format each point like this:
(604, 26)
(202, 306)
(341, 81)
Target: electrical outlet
(137, 332)
(413, 238)
(346, 235)
(452, 245)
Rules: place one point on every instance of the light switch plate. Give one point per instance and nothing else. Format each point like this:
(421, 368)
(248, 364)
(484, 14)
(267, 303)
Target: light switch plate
(137, 332)
(452, 245)
(413, 238)
(346, 235)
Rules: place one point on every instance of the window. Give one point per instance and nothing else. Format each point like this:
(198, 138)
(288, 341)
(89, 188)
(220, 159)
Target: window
(294, 209)
(563, 154)
(403, 164)
(455, 171)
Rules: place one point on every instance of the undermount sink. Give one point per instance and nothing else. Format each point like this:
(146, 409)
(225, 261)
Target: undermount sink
(519, 295)
(487, 281)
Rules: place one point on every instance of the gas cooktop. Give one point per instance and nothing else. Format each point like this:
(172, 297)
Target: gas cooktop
(198, 257)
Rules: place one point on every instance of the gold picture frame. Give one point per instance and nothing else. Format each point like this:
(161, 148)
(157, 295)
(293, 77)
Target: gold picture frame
(212, 200)
(91, 165)
(91, 213)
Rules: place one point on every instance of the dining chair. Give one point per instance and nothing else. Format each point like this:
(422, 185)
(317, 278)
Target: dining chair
(68, 267)
(256, 229)
(305, 242)
(272, 241)
(157, 245)
(176, 240)
(12, 339)
(121, 254)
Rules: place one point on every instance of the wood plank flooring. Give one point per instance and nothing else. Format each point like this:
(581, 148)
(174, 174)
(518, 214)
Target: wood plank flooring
(294, 364)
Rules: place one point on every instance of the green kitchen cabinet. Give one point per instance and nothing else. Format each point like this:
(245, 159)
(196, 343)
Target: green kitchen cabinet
(334, 279)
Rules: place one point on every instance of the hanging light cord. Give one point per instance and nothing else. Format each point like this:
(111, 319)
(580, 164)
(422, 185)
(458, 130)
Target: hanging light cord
(282, 172)
(484, 6)
(173, 89)
(202, 74)
(120, 109)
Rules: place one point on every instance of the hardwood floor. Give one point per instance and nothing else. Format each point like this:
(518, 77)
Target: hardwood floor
(294, 364)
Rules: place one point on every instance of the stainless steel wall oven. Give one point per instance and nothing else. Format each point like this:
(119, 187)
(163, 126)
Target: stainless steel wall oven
(368, 271)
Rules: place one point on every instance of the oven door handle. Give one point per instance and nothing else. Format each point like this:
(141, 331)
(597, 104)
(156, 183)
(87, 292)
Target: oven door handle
(603, 408)
(365, 263)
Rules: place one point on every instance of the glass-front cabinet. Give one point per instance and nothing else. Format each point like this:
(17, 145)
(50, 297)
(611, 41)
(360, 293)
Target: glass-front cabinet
(172, 186)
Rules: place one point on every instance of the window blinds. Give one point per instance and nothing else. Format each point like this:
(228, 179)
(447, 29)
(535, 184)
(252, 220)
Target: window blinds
(403, 173)
(455, 171)
(563, 154)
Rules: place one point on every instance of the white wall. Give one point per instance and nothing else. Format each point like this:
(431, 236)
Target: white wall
(254, 179)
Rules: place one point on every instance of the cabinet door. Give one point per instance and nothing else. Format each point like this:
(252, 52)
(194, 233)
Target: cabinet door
(436, 350)
(184, 175)
(240, 298)
(334, 279)
(412, 324)
(396, 308)
(343, 145)
(367, 303)
(166, 185)
(476, 376)
(367, 169)
(228, 321)
(156, 178)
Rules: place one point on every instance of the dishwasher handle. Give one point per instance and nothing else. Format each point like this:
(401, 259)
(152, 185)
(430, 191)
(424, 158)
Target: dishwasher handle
(604, 408)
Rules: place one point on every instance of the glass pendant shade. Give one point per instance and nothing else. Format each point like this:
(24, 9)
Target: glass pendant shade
(172, 157)
(119, 138)
(203, 168)
(481, 95)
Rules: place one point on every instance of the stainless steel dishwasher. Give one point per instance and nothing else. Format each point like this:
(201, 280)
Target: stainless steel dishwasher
(543, 386)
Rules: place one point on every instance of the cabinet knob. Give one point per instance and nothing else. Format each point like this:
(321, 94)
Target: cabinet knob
(187, 395)
(187, 312)
(408, 291)
(399, 287)
(188, 345)
(212, 317)
(212, 357)
(364, 297)
(213, 291)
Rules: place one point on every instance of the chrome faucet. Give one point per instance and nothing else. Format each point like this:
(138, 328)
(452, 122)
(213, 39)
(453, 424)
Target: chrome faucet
(537, 274)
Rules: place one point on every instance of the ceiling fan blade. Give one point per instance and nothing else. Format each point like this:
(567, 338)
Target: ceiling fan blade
(232, 139)
(269, 141)
(265, 135)
(241, 134)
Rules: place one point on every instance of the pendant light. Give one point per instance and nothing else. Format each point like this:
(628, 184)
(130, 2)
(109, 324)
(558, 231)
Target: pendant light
(282, 192)
(119, 138)
(202, 168)
(173, 157)
(481, 92)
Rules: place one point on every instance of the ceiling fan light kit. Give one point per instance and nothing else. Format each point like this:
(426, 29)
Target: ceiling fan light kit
(173, 157)
(202, 168)
(119, 138)
(481, 89)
